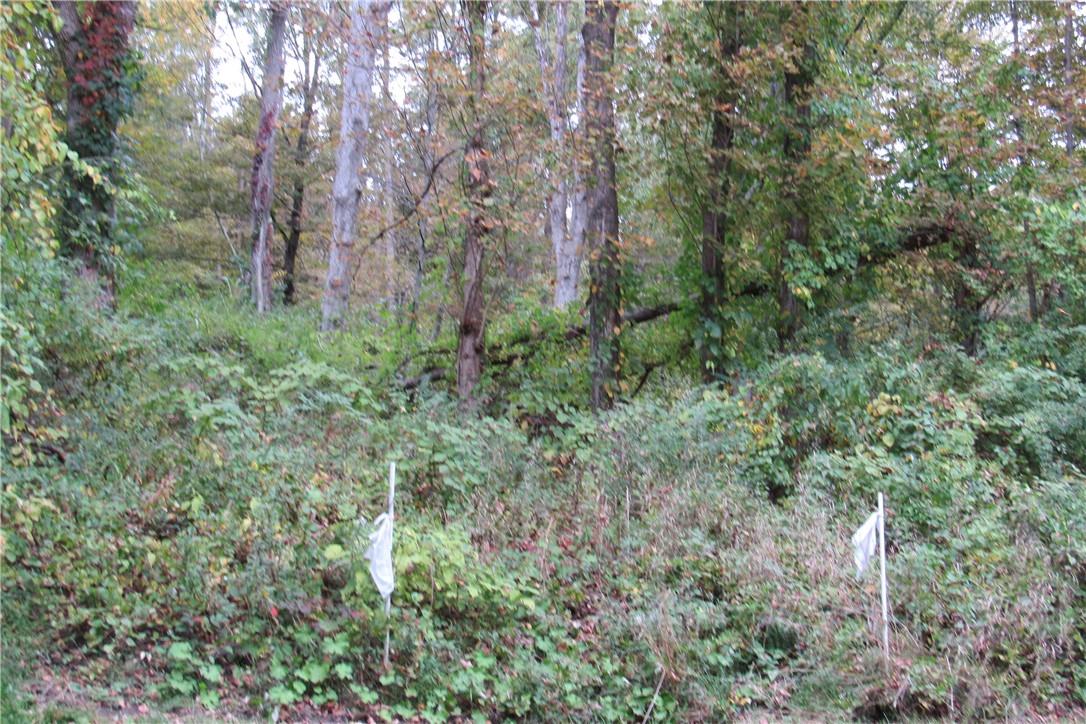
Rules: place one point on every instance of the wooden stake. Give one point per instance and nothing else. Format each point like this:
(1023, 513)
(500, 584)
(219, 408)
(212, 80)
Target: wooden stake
(882, 573)
(388, 601)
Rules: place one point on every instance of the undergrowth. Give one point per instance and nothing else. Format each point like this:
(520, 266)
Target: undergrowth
(187, 495)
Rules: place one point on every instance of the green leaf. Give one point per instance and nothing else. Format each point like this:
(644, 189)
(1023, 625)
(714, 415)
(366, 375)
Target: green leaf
(180, 651)
(212, 673)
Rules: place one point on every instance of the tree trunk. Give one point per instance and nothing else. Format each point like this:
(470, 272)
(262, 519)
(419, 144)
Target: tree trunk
(797, 145)
(93, 50)
(1052, 289)
(262, 181)
(604, 296)
(1016, 120)
(578, 193)
(552, 70)
(387, 186)
(367, 20)
(715, 216)
(1068, 52)
(469, 355)
(428, 157)
(967, 303)
(207, 88)
(310, 83)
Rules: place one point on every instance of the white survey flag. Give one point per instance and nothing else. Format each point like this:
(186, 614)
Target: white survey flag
(864, 541)
(379, 554)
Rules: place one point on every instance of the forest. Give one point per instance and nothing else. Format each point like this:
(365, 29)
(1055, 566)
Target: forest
(490, 360)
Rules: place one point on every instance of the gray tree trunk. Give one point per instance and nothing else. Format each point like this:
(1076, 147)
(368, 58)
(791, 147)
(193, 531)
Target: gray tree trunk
(367, 21)
(262, 181)
(566, 238)
(387, 186)
(428, 154)
(578, 193)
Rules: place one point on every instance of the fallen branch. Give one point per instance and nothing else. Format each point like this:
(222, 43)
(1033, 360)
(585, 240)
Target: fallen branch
(432, 374)
(436, 373)
(917, 237)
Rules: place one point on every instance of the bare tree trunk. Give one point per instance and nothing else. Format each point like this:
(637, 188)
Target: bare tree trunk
(1068, 52)
(387, 185)
(428, 156)
(604, 296)
(93, 41)
(1031, 271)
(798, 85)
(1052, 289)
(469, 355)
(207, 88)
(310, 83)
(578, 193)
(262, 181)
(552, 70)
(367, 20)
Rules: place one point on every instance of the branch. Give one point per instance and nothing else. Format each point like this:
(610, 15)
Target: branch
(918, 236)
(430, 179)
(884, 32)
(278, 227)
(241, 55)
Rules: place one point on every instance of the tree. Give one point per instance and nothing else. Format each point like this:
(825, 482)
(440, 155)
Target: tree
(604, 295)
(567, 233)
(470, 347)
(262, 180)
(388, 190)
(311, 59)
(101, 78)
(716, 216)
(1069, 98)
(798, 86)
(367, 21)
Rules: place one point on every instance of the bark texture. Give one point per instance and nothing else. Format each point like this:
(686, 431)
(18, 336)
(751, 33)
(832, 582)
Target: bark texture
(604, 296)
(566, 238)
(470, 348)
(262, 181)
(367, 20)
